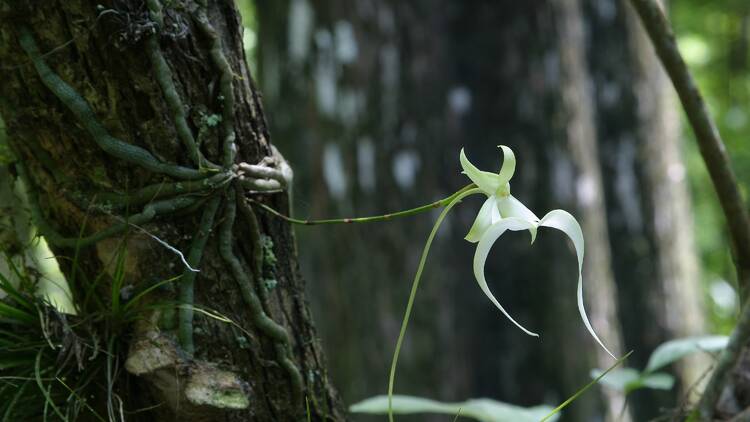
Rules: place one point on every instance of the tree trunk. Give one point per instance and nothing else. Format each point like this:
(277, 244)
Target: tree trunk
(647, 204)
(268, 363)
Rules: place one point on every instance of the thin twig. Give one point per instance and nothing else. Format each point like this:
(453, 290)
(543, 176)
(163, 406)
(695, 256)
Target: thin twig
(725, 183)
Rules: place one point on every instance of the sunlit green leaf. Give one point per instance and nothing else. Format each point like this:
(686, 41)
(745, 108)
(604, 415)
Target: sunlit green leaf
(676, 349)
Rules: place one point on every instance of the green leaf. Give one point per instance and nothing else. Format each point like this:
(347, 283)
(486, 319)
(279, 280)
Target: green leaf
(658, 381)
(7, 287)
(580, 392)
(627, 380)
(618, 379)
(45, 391)
(14, 313)
(137, 298)
(415, 287)
(484, 410)
(676, 349)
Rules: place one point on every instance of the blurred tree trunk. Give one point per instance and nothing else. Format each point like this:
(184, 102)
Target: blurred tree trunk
(647, 202)
(98, 50)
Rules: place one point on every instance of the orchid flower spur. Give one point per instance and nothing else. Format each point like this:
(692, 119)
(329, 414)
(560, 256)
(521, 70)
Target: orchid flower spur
(502, 212)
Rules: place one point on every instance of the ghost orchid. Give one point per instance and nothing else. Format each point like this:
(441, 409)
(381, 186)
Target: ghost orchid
(502, 212)
(499, 213)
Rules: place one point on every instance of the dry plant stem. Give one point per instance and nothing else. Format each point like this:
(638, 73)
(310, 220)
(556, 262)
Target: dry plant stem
(717, 161)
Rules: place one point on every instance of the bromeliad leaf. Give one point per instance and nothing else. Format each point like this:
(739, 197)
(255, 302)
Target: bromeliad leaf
(502, 212)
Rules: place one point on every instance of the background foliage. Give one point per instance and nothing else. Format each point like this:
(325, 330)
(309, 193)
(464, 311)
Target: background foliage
(714, 38)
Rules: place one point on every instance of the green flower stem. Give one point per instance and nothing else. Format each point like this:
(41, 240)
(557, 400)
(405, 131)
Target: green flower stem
(454, 199)
(385, 217)
(187, 281)
(578, 393)
(86, 116)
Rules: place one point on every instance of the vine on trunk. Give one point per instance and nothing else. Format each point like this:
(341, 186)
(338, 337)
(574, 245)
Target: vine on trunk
(205, 188)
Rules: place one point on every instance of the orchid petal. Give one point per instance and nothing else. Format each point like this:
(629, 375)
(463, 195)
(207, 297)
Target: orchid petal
(566, 223)
(483, 250)
(512, 207)
(487, 182)
(509, 165)
(488, 215)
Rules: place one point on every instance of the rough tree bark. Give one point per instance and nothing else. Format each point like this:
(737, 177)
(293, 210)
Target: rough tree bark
(110, 52)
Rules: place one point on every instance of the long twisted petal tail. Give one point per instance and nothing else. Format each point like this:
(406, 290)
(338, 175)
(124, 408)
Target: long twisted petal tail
(488, 215)
(483, 250)
(413, 293)
(566, 223)
(509, 165)
(512, 207)
(487, 182)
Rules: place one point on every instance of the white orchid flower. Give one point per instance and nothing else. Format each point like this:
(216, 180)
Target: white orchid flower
(502, 212)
